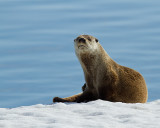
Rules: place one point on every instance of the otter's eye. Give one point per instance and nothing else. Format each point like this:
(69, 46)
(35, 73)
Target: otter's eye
(96, 40)
(89, 39)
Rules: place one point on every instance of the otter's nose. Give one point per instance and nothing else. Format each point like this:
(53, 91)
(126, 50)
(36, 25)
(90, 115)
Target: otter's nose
(82, 40)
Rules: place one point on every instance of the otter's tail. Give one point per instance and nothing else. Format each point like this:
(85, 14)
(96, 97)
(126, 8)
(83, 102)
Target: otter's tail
(67, 99)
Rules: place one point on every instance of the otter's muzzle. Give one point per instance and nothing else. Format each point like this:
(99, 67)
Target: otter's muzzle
(80, 40)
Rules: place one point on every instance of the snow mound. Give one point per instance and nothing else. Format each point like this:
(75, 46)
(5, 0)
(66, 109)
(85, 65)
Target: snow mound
(96, 114)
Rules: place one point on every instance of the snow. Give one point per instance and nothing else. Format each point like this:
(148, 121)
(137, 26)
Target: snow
(95, 114)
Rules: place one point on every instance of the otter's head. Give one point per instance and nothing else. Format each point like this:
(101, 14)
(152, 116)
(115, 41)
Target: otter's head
(89, 52)
(86, 48)
(85, 44)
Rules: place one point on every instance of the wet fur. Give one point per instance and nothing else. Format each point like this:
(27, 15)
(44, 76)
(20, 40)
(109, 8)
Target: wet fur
(105, 79)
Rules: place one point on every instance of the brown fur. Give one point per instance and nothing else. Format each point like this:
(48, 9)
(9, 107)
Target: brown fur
(105, 79)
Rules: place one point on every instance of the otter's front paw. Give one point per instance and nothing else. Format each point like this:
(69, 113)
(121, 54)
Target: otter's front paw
(80, 99)
(83, 87)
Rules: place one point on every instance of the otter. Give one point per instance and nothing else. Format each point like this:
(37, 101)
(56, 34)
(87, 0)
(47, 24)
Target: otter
(104, 78)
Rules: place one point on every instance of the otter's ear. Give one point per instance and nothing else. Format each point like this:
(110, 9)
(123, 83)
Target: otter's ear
(96, 40)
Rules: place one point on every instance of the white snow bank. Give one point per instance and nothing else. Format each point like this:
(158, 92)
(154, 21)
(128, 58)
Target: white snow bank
(96, 114)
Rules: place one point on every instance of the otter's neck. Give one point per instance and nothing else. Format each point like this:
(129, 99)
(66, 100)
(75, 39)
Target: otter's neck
(95, 61)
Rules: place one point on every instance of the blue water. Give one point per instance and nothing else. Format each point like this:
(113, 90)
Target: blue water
(37, 59)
